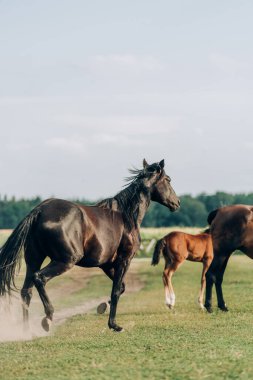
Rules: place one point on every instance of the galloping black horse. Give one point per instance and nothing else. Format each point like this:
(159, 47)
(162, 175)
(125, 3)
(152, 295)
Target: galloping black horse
(231, 229)
(105, 235)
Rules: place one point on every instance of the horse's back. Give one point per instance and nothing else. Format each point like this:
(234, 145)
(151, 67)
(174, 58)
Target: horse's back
(65, 231)
(232, 227)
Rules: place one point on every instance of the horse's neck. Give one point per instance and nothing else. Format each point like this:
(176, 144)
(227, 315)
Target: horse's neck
(143, 206)
(142, 209)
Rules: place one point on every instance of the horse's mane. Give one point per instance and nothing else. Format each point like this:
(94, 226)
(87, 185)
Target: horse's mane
(128, 199)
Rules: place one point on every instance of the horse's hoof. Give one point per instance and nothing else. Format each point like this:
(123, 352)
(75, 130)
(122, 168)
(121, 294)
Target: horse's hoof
(201, 306)
(46, 323)
(101, 309)
(116, 328)
(171, 307)
(209, 309)
(223, 308)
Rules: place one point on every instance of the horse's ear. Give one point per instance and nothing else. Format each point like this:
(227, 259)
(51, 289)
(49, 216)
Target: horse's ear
(161, 164)
(145, 164)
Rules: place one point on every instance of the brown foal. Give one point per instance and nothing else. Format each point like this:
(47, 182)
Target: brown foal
(177, 247)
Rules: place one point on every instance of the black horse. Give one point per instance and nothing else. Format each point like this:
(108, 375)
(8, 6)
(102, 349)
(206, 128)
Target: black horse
(231, 228)
(105, 235)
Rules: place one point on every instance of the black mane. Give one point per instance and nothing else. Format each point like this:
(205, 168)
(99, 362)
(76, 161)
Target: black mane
(128, 199)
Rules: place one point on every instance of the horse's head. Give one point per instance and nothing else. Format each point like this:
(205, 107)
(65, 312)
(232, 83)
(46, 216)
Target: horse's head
(159, 184)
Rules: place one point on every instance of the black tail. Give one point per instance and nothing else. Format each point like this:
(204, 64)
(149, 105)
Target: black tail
(10, 253)
(211, 216)
(157, 252)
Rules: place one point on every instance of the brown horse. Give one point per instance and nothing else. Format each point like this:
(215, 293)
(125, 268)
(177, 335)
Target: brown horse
(106, 236)
(231, 229)
(177, 247)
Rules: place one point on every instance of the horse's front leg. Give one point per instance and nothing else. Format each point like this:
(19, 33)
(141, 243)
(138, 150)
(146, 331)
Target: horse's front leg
(109, 271)
(119, 273)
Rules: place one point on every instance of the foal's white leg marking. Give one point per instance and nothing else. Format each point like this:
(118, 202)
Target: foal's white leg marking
(172, 299)
(200, 299)
(167, 296)
(202, 289)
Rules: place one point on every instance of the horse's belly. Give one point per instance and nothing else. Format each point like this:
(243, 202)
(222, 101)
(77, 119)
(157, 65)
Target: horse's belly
(248, 251)
(194, 256)
(89, 262)
(96, 257)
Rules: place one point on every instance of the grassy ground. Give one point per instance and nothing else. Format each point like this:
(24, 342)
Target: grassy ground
(157, 343)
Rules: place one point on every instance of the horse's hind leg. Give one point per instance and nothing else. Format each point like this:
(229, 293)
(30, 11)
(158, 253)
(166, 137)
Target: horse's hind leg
(170, 297)
(215, 275)
(40, 278)
(206, 265)
(26, 295)
(218, 285)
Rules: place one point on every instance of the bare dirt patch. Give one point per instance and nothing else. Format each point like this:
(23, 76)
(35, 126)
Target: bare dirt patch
(11, 328)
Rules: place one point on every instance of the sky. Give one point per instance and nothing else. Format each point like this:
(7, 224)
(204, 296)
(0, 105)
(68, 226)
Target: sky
(90, 88)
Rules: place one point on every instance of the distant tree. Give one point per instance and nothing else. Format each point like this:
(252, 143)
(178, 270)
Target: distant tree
(193, 210)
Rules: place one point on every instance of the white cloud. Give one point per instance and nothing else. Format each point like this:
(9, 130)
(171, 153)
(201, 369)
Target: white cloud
(27, 100)
(119, 139)
(125, 62)
(130, 125)
(19, 146)
(227, 64)
(248, 145)
(69, 145)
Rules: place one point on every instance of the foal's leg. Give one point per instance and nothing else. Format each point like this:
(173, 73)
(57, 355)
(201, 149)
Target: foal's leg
(167, 281)
(170, 297)
(109, 271)
(40, 278)
(119, 273)
(206, 264)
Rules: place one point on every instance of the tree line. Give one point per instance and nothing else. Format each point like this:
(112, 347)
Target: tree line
(193, 211)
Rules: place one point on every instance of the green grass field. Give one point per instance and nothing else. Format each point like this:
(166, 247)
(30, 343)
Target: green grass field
(157, 343)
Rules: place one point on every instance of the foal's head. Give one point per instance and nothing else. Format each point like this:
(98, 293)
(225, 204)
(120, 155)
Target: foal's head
(159, 184)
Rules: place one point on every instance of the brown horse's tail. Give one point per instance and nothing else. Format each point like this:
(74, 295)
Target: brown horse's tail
(157, 252)
(11, 252)
(211, 216)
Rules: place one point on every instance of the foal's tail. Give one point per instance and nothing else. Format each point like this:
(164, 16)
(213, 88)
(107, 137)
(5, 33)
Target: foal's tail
(10, 253)
(157, 252)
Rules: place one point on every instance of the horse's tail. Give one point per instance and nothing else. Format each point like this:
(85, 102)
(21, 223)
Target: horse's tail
(211, 216)
(10, 253)
(157, 252)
